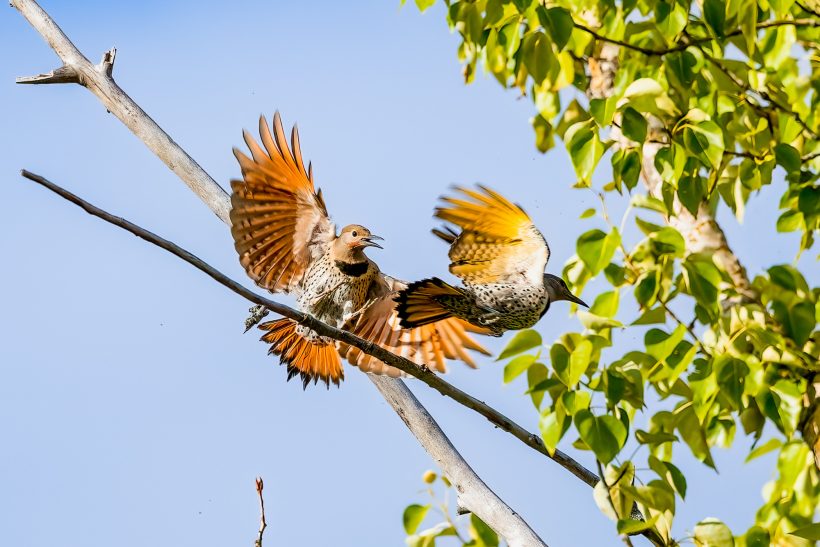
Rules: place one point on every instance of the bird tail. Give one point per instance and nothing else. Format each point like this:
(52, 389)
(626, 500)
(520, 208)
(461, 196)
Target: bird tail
(310, 360)
(445, 233)
(418, 304)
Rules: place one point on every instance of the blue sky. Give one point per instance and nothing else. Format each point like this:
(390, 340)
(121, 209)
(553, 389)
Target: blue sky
(133, 408)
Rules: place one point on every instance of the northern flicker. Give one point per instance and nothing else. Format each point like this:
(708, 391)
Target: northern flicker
(287, 243)
(500, 256)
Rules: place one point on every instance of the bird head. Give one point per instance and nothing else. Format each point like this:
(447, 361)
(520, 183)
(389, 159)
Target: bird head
(352, 241)
(558, 290)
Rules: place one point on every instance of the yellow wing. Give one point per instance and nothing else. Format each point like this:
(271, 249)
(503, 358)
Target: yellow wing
(498, 242)
(430, 344)
(279, 222)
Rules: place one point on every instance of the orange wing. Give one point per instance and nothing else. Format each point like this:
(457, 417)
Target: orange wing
(498, 242)
(430, 344)
(279, 222)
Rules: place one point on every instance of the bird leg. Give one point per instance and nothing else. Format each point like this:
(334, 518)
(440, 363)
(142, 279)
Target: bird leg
(257, 314)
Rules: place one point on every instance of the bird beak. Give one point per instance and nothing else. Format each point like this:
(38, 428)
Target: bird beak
(572, 298)
(368, 241)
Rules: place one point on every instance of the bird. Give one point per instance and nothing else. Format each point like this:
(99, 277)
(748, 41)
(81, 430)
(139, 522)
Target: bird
(499, 255)
(287, 243)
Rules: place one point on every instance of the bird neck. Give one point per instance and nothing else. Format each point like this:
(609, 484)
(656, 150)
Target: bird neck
(342, 252)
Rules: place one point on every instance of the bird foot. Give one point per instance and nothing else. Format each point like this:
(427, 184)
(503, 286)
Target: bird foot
(257, 314)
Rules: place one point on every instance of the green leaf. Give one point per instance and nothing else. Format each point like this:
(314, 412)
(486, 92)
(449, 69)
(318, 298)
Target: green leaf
(603, 110)
(645, 437)
(631, 527)
(552, 428)
(536, 374)
(517, 366)
(808, 201)
(651, 317)
(714, 11)
(521, 342)
(660, 344)
(606, 304)
(670, 18)
(765, 448)
(688, 425)
(757, 537)
(731, 378)
(413, 516)
(538, 56)
(605, 435)
(810, 532)
(633, 125)
(691, 191)
(787, 157)
(585, 149)
(789, 221)
(588, 213)
(596, 322)
(711, 532)
(747, 17)
(705, 140)
(801, 321)
(483, 535)
(578, 362)
(559, 24)
(596, 248)
(544, 133)
(647, 95)
(626, 167)
(424, 4)
(669, 473)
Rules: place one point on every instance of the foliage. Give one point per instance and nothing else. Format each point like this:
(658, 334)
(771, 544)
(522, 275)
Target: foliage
(721, 98)
(438, 491)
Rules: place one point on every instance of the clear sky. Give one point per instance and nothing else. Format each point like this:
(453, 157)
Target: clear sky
(133, 409)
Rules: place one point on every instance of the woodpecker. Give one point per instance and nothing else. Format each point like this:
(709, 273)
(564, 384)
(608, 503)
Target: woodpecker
(500, 256)
(287, 243)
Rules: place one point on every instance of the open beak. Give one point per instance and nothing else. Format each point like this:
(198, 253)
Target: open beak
(368, 241)
(572, 298)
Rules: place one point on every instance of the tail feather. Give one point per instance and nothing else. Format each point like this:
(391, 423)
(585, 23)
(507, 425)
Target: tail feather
(309, 360)
(446, 233)
(418, 304)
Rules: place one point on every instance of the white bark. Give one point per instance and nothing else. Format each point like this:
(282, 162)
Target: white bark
(473, 493)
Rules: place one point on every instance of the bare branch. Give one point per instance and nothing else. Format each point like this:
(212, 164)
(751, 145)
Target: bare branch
(473, 492)
(61, 75)
(260, 485)
(98, 80)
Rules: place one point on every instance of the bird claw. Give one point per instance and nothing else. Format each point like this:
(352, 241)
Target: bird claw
(257, 314)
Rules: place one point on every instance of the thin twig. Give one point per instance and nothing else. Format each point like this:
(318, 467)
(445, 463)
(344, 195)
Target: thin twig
(260, 485)
(683, 45)
(405, 365)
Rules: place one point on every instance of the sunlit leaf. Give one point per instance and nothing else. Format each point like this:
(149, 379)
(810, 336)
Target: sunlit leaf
(521, 342)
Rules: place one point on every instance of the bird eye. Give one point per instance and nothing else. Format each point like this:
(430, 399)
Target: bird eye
(354, 233)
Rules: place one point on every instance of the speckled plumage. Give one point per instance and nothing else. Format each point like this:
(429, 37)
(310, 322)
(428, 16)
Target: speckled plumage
(331, 295)
(500, 255)
(287, 243)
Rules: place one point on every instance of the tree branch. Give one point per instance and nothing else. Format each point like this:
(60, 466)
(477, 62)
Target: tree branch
(260, 485)
(680, 46)
(97, 78)
(474, 494)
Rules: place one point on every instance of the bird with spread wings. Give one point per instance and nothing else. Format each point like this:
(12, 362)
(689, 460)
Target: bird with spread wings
(500, 256)
(287, 243)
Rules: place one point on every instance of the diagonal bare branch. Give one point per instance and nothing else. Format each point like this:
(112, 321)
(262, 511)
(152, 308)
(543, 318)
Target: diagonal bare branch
(422, 373)
(474, 493)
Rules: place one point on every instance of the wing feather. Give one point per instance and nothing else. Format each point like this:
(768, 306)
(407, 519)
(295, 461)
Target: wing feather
(430, 345)
(498, 242)
(279, 221)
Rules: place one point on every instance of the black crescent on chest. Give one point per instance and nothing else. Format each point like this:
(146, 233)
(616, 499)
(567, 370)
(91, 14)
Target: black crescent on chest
(546, 308)
(353, 269)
